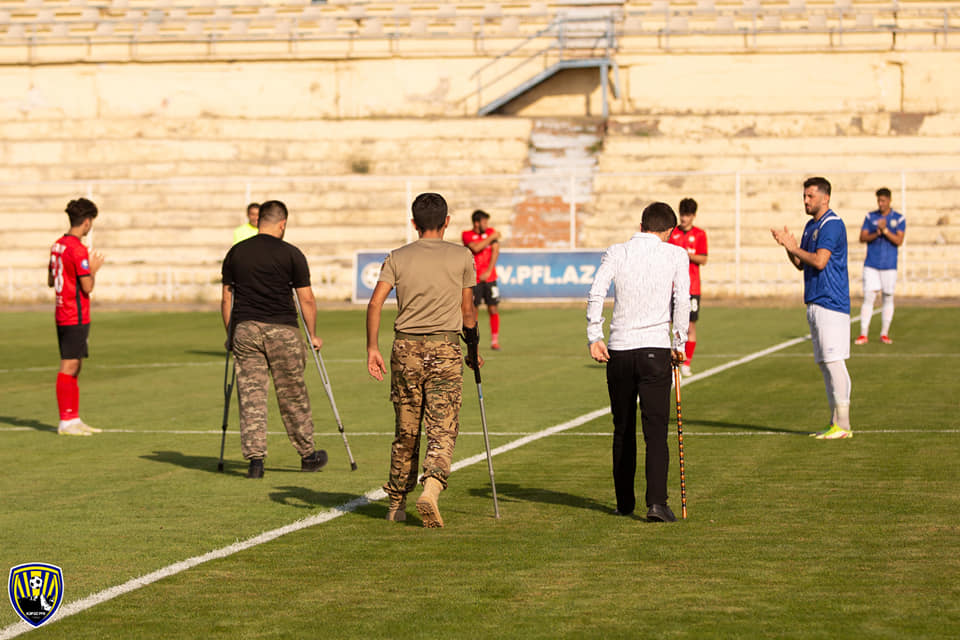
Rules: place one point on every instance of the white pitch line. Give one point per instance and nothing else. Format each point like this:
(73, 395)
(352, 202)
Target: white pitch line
(150, 365)
(131, 585)
(378, 494)
(495, 434)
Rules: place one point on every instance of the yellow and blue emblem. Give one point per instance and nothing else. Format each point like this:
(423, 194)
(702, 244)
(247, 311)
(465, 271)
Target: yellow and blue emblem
(36, 591)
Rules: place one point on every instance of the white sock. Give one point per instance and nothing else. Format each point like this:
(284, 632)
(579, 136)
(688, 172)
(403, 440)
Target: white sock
(841, 384)
(68, 423)
(830, 396)
(886, 314)
(866, 311)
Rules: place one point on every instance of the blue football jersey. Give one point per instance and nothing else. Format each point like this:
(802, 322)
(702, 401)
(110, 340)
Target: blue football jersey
(881, 253)
(829, 287)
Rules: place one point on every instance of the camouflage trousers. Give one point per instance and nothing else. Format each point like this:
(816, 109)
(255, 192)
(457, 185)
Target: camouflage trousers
(262, 350)
(426, 388)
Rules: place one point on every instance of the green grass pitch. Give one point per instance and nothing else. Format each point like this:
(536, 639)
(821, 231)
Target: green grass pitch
(787, 537)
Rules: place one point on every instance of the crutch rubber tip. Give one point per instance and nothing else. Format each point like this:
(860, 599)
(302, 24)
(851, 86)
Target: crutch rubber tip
(220, 467)
(353, 466)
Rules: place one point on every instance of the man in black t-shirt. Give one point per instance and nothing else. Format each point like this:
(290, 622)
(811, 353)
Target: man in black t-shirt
(261, 322)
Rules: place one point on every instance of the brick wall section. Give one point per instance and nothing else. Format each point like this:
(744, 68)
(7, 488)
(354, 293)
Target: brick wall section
(541, 222)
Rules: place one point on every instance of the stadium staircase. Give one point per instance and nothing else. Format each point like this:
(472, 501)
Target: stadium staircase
(172, 179)
(563, 158)
(582, 38)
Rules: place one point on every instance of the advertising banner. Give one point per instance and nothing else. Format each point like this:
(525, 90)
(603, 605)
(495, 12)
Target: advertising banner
(522, 274)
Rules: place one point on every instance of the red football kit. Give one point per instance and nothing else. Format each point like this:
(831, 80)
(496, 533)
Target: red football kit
(69, 260)
(695, 243)
(481, 260)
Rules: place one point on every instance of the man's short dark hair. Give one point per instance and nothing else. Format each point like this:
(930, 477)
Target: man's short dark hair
(479, 215)
(658, 217)
(272, 212)
(253, 205)
(79, 210)
(687, 205)
(822, 184)
(884, 192)
(429, 211)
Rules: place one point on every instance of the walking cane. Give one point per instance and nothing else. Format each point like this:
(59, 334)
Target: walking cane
(228, 379)
(475, 360)
(325, 380)
(227, 392)
(683, 479)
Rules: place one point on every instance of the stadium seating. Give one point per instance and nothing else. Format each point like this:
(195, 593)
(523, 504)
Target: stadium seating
(169, 205)
(172, 172)
(773, 155)
(67, 30)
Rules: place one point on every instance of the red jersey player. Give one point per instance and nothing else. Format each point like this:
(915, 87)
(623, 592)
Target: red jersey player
(484, 242)
(694, 240)
(71, 273)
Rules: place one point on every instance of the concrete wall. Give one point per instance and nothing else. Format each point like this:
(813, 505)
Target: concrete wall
(243, 127)
(858, 82)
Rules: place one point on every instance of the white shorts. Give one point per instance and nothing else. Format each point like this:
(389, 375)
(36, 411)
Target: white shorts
(879, 280)
(829, 332)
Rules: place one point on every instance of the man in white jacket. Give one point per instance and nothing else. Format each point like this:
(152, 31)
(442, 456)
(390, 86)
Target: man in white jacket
(648, 274)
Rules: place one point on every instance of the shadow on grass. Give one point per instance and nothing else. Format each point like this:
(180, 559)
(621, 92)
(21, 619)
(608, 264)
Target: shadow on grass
(739, 425)
(207, 463)
(304, 498)
(32, 424)
(516, 493)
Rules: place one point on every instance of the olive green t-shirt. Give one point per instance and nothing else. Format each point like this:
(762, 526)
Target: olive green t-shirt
(430, 276)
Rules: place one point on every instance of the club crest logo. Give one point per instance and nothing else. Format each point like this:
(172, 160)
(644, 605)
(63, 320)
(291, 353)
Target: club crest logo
(36, 591)
(816, 232)
(370, 274)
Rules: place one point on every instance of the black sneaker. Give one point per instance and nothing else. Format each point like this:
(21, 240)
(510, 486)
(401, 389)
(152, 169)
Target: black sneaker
(256, 468)
(660, 513)
(314, 462)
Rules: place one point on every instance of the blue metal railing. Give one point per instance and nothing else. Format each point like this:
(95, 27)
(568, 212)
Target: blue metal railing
(565, 43)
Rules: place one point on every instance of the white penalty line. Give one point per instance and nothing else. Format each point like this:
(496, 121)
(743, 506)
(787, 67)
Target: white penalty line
(378, 494)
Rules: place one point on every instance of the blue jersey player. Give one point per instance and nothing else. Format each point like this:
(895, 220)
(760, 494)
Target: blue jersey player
(822, 256)
(883, 231)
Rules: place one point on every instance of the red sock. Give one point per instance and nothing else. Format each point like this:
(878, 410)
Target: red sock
(68, 396)
(494, 325)
(689, 349)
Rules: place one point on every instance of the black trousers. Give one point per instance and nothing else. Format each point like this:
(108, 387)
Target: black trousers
(639, 375)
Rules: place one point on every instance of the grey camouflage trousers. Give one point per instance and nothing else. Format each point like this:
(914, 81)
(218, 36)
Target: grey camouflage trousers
(426, 388)
(263, 350)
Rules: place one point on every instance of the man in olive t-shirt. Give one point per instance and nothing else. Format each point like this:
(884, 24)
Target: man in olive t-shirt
(434, 281)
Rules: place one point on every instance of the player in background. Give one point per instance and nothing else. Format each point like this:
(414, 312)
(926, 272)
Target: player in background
(249, 228)
(694, 241)
(822, 256)
(882, 231)
(484, 242)
(72, 273)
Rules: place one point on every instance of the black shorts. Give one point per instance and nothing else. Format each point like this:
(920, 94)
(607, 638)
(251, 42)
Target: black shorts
(73, 341)
(694, 308)
(487, 292)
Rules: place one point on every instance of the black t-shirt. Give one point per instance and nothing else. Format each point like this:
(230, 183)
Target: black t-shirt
(262, 270)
